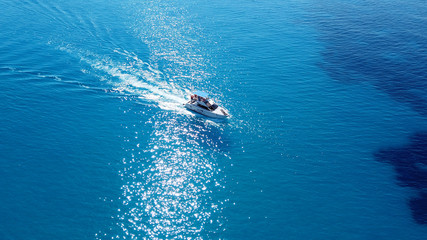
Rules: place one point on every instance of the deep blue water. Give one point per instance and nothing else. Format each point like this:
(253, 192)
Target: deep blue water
(327, 138)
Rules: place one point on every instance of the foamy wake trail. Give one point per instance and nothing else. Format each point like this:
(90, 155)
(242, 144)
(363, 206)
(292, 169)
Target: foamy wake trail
(128, 74)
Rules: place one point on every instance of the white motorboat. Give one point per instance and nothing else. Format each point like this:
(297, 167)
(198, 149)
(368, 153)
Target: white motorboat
(201, 103)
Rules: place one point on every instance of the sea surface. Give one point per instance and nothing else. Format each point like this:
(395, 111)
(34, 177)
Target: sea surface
(327, 139)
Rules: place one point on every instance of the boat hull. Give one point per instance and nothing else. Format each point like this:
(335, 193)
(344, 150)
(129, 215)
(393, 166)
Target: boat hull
(218, 113)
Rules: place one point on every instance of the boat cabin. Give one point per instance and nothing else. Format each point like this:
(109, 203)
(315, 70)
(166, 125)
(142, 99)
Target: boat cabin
(200, 96)
(203, 100)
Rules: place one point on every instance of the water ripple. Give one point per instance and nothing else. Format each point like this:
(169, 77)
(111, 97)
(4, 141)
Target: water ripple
(170, 181)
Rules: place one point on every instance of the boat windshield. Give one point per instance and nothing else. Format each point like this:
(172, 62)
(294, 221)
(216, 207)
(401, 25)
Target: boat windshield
(214, 106)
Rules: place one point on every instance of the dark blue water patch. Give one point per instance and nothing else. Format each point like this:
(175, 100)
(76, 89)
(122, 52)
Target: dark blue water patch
(379, 43)
(410, 164)
(382, 44)
(419, 208)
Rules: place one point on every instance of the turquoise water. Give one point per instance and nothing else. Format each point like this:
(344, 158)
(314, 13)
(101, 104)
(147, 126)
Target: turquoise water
(327, 138)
